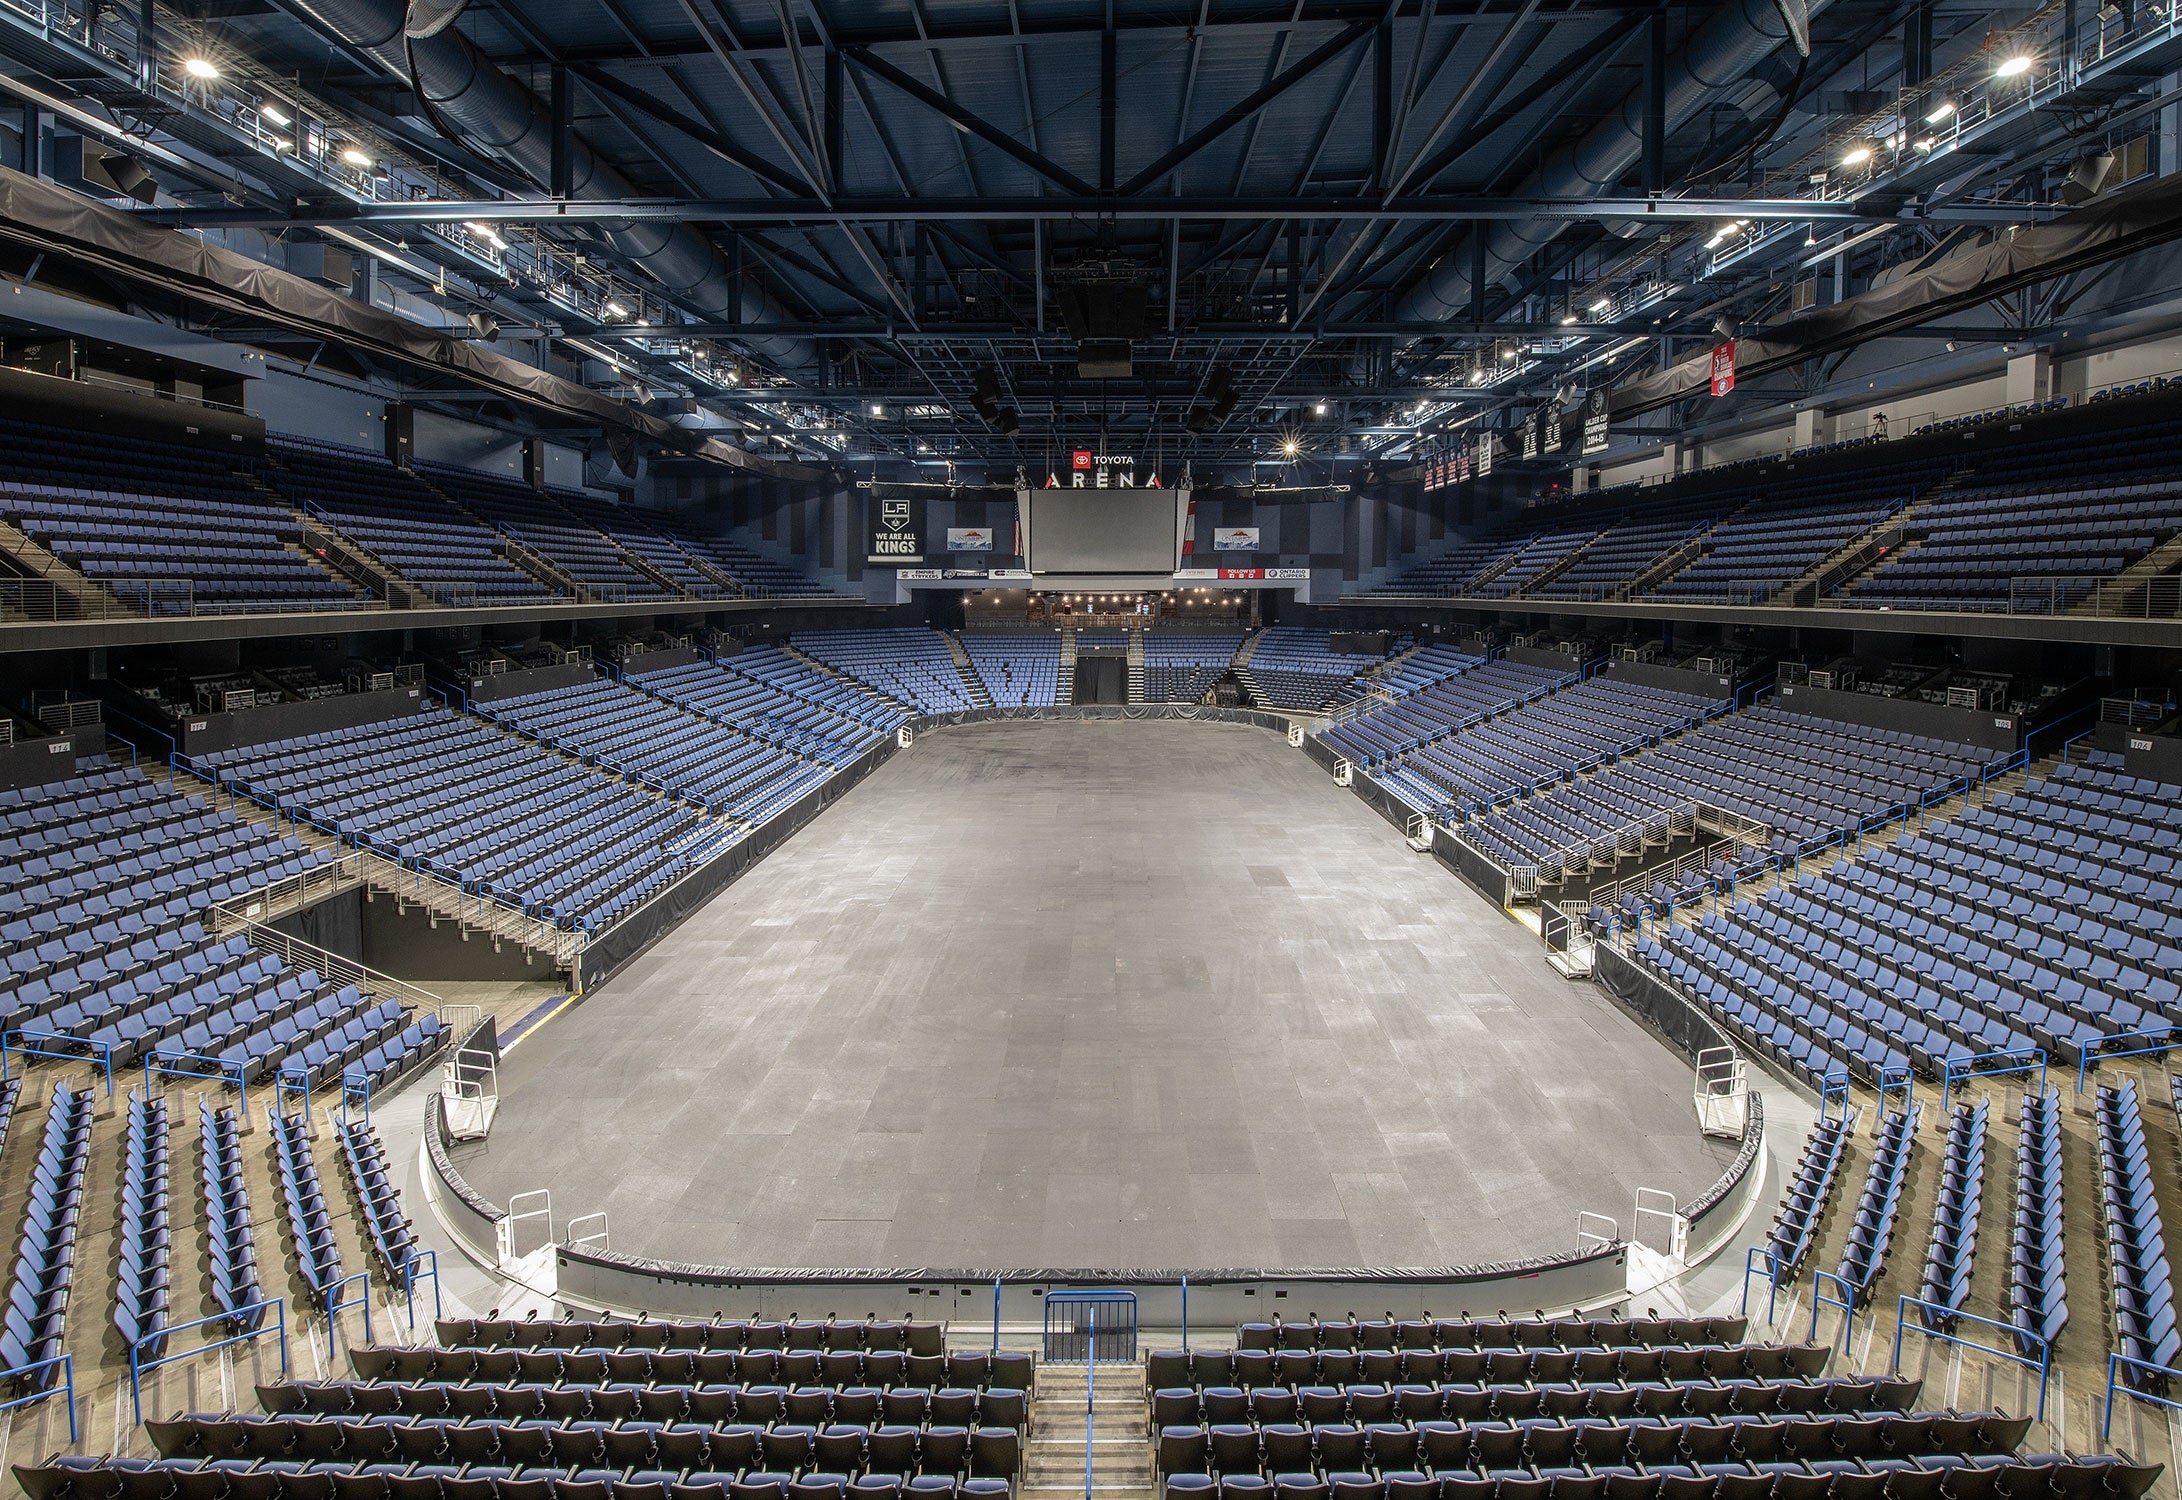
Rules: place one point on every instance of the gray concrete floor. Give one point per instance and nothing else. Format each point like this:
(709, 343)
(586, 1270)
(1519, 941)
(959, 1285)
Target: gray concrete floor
(1126, 995)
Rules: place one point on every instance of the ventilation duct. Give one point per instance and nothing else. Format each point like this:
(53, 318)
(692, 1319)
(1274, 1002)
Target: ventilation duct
(470, 97)
(1719, 56)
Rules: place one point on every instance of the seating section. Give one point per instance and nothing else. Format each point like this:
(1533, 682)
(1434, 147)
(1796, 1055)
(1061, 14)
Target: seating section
(1545, 554)
(45, 1249)
(1377, 735)
(386, 1227)
(1749, 559)
(763, 1411)
(1180, 666)
(1795, 1227)
(2136, 1246)
(1638, 542)
(544, 525)
(2054, 507)
(2033, 921)
(642, 535)
(1951, 1255)
(403, 522)
(755, 573)
(763, 689)
(730, 772)
(144, 1266)
(455, 797)
(310, 1222)
(108, 875)
(168, 528)
(2037, 1262)
(1292, 667)
(1605, 1412)
(912, 666)
(1871, 1235)
(1545, 742)
(1020, 668)
(1403, 675)
(231, 1258)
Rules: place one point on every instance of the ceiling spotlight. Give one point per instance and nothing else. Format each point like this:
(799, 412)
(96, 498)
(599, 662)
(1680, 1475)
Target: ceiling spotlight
(1318, 409)
(2013, 67)
(355, 158)
(198, 67)
(877, 410)
(1928, 143)
(616, 310)
(1940, 111)
(1603, 305)
(1568, 320)
(273, 114)
(1857, 157)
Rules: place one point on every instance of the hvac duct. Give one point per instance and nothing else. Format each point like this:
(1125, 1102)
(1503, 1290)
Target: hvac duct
(492, 112)
(1718, 56)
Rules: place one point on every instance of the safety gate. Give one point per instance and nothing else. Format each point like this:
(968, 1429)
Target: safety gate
(1097, 1325)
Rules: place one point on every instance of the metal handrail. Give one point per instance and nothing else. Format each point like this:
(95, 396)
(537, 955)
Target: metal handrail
(138, 1365)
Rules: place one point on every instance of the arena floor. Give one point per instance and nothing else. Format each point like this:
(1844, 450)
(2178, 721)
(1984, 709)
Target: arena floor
(1127, 995)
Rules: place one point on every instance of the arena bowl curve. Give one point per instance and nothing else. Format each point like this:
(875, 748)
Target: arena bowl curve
(1101, 998)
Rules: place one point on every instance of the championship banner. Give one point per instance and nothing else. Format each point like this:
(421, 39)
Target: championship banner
(1532, 426)
(1549, 431)
(1723, 368)
(969, 539)
(1594, 420)
(1235, 539)
(1484, 455)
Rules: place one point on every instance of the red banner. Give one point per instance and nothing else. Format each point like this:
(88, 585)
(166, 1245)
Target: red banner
(1723, 368)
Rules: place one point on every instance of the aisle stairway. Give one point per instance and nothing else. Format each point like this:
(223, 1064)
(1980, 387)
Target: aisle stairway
(1064, 690)
(1118, 1425)
(971, 682)
(1136, 666)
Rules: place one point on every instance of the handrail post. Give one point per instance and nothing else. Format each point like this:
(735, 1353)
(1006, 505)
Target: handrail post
(1185, 1313)
(1090, 1396)
(996, 1315)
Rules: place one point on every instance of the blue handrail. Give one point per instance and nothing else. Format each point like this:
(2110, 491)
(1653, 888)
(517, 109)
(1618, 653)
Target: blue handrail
(411, 1276)
(138, 1364)
(2104, 1049)
(2116, 1365)
(2043, 1364)
(1752, 1256)
(1846, 1302)
(20, 1040)
(67, 1365)
(163, 1063)
(1990, 1065)
(336, 1305)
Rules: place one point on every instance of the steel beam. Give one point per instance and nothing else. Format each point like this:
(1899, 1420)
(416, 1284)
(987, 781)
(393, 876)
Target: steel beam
(1437, 207)
(975, 124)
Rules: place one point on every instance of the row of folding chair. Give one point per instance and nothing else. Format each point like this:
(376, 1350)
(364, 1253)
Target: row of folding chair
(1951, 1253)
(310, 1222)
(1871, 1233)
(1297, 1368)
(835, 1448)
(1185, 1405)
(1995, 1476)
(67, 1477)
(2136, 1246)
(760, 1406)
(2037, 1276)
(143, 1243)
(1502, 1332)
(963, 1368)
(231, 1259)
(1809, 1191)
(45, 1251)
(388, 1227)
(1229, 1448)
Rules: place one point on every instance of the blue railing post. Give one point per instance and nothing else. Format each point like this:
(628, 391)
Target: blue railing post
(410, 1278)
(2043, 1364)
(1752, 1256)
(138, 1365)
(2116, 1364)
(1185, 1313)
(67, 1364)
(1846, 1302)
(996, 1315)
(1090, 1401)
(335, 1306)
